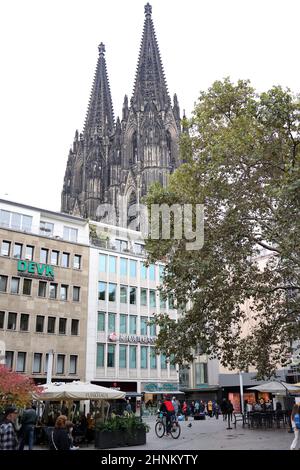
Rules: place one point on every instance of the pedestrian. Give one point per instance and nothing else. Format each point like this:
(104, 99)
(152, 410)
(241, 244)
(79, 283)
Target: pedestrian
(69, 428)
(230, 409)
(224, 408)
(210, 408)
(128, 407)
(8, 435)
(175, 405)
(185, 410)
(28, 423)
(295, 418)
(168, 408)
(59, 439)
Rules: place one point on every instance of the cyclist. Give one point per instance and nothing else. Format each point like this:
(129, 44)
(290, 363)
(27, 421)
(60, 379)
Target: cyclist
(168, 408)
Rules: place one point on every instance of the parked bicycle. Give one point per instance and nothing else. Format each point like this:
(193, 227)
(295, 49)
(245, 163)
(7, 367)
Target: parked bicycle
(161, 426)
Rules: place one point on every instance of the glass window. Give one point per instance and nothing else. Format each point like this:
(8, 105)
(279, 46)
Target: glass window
(112, 292)
(132, 324)
(37, 363)
(101, 321)
(100, 355)
(12, 321)
(132, 357)
(9, 359)
(161, 272)
(14, 285)
(144, 297)
(76, 294)
(5, 248)
(16, 220)
(44, 255)
(172, 365)
(200, 373)
(51, 325)
(21, 362)
(70, 234)
(123, 266)
(73, 364)
(101, 290)
(163, 302)
(3, 283)
(144, 354)
(111, 355)
(65, 260)
(152, 329)
(74, 327)
(60, 364)
(144, 326)
(132, 267)
(27, 283)
(17, 253)
(102, 263)
(24, 322)
(112, 265)
(123, 324)
(122, 356)
(152, 295)
(143, 272)
(139, 249)
(77, 263)
(111, 322)
(62, 326)
(29, 252)
(2, 317)
(46, 228)
(26, 223)
(42, 292)
(53, 290)
(4, 218)
(121, 245)
(123, 295)
(54, 257)
(163, 361)
(39, 327)
(171, 301)
(132, 296)
(63, 292)
(152, 272)
(153, 362)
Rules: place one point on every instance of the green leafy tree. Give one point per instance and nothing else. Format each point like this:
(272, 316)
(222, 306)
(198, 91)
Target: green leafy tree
(242, 161)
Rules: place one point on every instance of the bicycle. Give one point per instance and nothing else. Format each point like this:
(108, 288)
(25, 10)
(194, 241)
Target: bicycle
(161, 426)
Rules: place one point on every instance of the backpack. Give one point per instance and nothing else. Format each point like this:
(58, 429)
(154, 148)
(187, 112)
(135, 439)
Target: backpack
(297, 420)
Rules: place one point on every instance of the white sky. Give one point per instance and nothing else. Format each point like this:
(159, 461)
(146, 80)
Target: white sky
(49, 54)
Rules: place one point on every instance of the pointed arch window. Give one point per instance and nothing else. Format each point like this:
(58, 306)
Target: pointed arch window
(133, 156)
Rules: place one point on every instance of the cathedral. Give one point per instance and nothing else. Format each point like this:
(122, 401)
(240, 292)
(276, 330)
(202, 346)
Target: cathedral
(116, 161)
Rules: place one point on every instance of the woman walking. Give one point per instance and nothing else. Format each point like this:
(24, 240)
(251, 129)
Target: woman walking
(294, 421)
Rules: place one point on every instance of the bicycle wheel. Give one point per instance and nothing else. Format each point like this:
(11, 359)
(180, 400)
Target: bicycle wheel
(175, 430)
(160, 429)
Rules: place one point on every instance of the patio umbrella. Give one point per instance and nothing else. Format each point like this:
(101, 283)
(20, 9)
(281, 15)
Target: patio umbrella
(77, 390)
(278, 388)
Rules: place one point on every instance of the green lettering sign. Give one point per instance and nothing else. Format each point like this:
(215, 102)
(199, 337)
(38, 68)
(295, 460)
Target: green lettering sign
(22, 265)
(36, 269)
(31, 268)
(40, 268)
(49, 271)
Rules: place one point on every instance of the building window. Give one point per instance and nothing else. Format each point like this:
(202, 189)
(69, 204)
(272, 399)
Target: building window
(123, 295)
(51, 325)
(46, 228)
(143, 272)
(62, 326)
(184, 377)
(21, 362)
(132, 357)
(153, 361)
(200, 373)
(111, 348)
(123, 324)
(37, 363)
(77, 263)
(26, 223)
(132, 268)
(44, 255)
(163, 361)
(52, 290)
(9, 359)
(29, 252)
(123, 266)
(132, 296)
(112, 265)
(152, 272)
(42, 292)
(101, 291)
(54, 257)
(163, 302)
(70, 234)
(5, 248)
(171, 301)
(172, 364)
(73, 364)
(102, 263)
(2, 318)
(132, 324)
(74, 327)
(14, 285)
(3, 283)
(65, 260)
(5, 218)
(152, 295)
(144, 357)
(144, 297)
(122, 356)
(63, 292)
(12, 321)
(60, 365)
(27, 283)
(24, 322)
(15, 220)
(112, 288)
(39, 326)
(111, 322)
(76, 294)
(17, 253)
(139, 249)
(101, 321)
(144, 326)
(152, 329)
(100, 355)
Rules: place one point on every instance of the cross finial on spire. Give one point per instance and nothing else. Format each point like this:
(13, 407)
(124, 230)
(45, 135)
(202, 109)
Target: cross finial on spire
(101, 48)
(148, 9)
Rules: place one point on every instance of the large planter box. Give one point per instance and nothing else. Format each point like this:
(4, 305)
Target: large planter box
(110, 439)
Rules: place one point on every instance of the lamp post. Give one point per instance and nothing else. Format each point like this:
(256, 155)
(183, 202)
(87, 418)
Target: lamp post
(49, 366)
(241, 392)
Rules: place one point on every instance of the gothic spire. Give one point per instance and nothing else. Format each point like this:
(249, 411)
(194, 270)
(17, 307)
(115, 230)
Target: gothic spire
(150, 83)
(100, 116)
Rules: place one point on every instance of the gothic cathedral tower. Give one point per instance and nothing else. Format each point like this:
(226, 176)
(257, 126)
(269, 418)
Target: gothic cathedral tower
(116, 162)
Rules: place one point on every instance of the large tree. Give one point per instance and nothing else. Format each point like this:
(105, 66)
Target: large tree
(242, 161)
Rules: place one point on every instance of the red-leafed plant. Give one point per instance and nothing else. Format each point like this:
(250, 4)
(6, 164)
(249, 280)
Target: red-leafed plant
(15, 389)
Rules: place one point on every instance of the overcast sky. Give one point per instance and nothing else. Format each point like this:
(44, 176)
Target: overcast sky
(49, 54)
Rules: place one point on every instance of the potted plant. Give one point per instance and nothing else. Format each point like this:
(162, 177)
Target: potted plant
(120, 431)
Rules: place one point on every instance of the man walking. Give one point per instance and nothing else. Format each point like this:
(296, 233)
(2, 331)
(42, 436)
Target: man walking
(28, 421)
(8, 435)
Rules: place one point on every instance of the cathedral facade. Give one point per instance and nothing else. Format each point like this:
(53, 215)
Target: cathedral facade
(116, 161)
